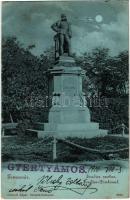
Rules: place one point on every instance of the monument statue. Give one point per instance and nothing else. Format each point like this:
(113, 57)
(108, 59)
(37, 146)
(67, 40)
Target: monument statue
(63, 36)
(68, 114)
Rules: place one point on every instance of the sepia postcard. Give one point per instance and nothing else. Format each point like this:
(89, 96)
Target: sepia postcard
(65, 92)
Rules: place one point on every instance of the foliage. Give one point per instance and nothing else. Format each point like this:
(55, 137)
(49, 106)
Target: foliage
(107, 77)
(23, 76)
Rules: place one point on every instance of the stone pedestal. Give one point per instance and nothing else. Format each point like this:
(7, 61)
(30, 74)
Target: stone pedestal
(68, 115)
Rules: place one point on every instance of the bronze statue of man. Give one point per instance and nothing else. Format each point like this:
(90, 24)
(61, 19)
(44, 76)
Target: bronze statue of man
(64, 34)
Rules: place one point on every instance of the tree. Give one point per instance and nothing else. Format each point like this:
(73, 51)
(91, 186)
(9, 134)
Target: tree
(107, 76)
(23, 75)
(104, 74)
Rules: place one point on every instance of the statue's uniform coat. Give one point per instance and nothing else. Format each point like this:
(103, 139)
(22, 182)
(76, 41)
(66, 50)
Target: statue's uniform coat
(63, 29)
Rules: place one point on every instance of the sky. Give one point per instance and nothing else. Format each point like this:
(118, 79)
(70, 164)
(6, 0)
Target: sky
(95, 23)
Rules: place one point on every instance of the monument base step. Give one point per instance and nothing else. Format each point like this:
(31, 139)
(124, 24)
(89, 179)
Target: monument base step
(81, 134)
(84, 130)
(71, 126)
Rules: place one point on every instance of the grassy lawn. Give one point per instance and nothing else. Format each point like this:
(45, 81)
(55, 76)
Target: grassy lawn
(34, 149)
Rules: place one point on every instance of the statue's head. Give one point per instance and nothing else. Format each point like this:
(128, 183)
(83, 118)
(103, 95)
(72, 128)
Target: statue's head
(63, 17)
